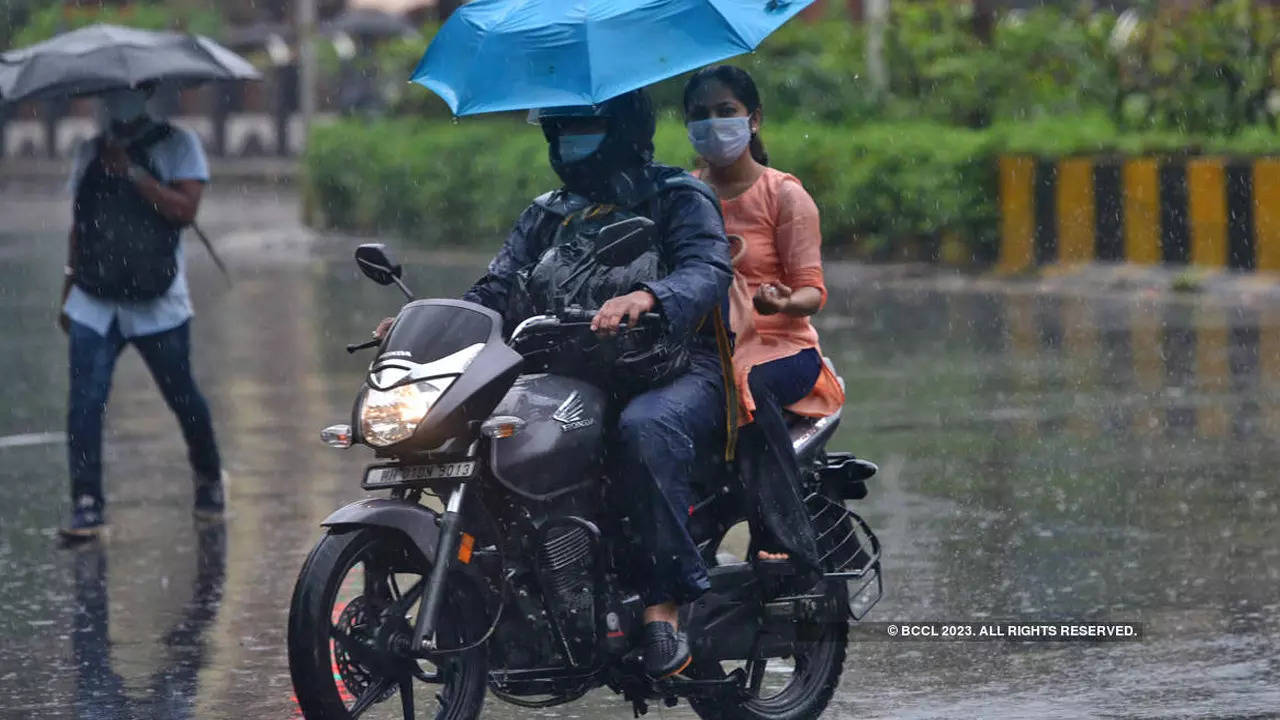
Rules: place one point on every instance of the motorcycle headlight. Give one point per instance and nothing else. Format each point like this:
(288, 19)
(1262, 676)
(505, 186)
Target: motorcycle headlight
(389, 416)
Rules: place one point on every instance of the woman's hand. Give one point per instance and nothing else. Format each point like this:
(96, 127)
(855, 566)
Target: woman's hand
(630, 306)
(383, 328)
(772, 299)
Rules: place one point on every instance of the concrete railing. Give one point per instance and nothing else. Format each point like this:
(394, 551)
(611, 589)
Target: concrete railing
(246, 135)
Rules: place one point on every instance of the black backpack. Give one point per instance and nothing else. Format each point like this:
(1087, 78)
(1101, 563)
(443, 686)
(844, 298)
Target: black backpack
(125, 249)
(563, 276)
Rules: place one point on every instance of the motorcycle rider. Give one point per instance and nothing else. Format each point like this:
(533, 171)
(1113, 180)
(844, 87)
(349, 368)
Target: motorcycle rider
(604, 156)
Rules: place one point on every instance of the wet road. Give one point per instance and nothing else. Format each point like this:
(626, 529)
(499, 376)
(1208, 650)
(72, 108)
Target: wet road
(1043, 457)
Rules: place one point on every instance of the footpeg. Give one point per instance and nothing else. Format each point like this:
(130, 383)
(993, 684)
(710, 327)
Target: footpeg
(847, 475)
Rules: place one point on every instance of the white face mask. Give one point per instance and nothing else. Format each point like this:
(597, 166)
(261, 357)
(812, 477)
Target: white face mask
(125, 106)
(720, 140)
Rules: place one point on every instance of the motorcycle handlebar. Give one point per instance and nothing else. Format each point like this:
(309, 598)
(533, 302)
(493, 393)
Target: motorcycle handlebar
(583, 315)
(569, 316)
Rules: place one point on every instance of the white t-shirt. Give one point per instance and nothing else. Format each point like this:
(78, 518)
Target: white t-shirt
(177, 157)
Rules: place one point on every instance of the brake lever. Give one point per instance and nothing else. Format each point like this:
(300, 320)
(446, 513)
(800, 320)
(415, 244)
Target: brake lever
(364, 345)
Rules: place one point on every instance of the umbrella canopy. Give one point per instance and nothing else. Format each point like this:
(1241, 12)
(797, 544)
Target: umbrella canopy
(105, 57)
(496, 55)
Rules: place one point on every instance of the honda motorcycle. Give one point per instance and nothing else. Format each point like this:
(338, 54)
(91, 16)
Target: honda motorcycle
(498, 559)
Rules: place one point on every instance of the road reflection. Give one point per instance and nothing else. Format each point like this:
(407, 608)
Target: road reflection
(173, 686)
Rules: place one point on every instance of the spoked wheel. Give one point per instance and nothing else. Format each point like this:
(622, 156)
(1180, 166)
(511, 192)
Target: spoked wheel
(350, 623)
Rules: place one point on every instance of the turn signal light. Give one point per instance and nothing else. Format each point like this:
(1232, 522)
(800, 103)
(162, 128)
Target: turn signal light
(501, 426)
(338, 436)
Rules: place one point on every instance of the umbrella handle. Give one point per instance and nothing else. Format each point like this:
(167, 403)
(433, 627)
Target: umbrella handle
(209, 246)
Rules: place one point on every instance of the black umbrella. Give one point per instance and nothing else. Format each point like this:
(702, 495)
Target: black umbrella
(105, 57)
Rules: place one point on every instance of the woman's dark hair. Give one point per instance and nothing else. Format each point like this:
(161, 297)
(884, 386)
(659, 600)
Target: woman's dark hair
(743, 88)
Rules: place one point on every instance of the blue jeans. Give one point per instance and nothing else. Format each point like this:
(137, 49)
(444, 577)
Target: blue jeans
(660, 436)
(168, 357)
(787, 380)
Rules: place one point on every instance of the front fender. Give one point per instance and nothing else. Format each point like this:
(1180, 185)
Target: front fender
(414, 520)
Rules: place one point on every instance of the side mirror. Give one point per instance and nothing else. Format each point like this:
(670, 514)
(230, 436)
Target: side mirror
(376, 263)
(622, 242)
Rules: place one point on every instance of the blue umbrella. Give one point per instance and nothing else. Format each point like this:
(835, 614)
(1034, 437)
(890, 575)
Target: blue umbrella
(496, 55)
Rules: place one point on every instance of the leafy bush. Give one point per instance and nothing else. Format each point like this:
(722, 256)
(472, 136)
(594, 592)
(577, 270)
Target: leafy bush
(1038, 62)
(804, 71)
(437, 182)
(1211, 69)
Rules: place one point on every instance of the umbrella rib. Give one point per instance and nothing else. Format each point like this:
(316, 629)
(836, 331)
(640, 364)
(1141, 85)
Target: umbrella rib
(124, 63)
(591, 69)
(730, 24)
(213, 59)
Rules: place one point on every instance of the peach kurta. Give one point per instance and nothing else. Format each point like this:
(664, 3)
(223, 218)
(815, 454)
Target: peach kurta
(778, 223)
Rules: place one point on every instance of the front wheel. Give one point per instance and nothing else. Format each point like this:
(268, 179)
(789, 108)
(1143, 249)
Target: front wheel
(352, 608)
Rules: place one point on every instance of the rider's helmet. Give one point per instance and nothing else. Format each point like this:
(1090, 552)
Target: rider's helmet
(629, 124)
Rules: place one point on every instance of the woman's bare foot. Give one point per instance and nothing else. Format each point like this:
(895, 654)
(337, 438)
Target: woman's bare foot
(772, 556)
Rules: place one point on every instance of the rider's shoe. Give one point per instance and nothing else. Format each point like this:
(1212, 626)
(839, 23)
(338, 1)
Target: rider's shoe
(666, 650)
(86, 521)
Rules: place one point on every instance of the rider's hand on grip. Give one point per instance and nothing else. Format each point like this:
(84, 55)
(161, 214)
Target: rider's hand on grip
(627, 308)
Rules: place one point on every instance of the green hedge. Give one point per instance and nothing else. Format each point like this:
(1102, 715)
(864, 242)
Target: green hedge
(879, 186)
(444, 183)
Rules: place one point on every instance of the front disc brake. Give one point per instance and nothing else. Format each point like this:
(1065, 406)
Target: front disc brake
(357, 621)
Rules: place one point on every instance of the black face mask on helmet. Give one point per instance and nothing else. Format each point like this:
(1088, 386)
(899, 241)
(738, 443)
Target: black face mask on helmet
(612, 171)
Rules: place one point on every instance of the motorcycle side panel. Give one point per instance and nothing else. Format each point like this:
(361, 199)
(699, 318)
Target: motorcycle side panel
(561, 447)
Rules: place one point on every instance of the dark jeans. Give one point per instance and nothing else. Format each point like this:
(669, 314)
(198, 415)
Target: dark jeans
(661, 434)
(778, 518)
(168, 357)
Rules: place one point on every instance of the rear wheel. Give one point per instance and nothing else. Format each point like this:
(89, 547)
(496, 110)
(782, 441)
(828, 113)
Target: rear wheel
(354, 603)
(791, 688)
(795, 687)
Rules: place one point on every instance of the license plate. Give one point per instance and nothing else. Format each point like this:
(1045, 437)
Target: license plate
(386, 476)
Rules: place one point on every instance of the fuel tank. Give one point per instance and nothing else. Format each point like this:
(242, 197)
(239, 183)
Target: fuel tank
(561, 447)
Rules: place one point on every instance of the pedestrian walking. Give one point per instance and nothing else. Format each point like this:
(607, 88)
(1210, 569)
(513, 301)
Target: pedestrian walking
(135, 186)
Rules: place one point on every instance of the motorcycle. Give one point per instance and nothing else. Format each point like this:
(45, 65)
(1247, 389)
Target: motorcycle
(499, 560)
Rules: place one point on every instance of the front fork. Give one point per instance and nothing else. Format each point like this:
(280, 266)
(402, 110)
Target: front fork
(424, 627)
